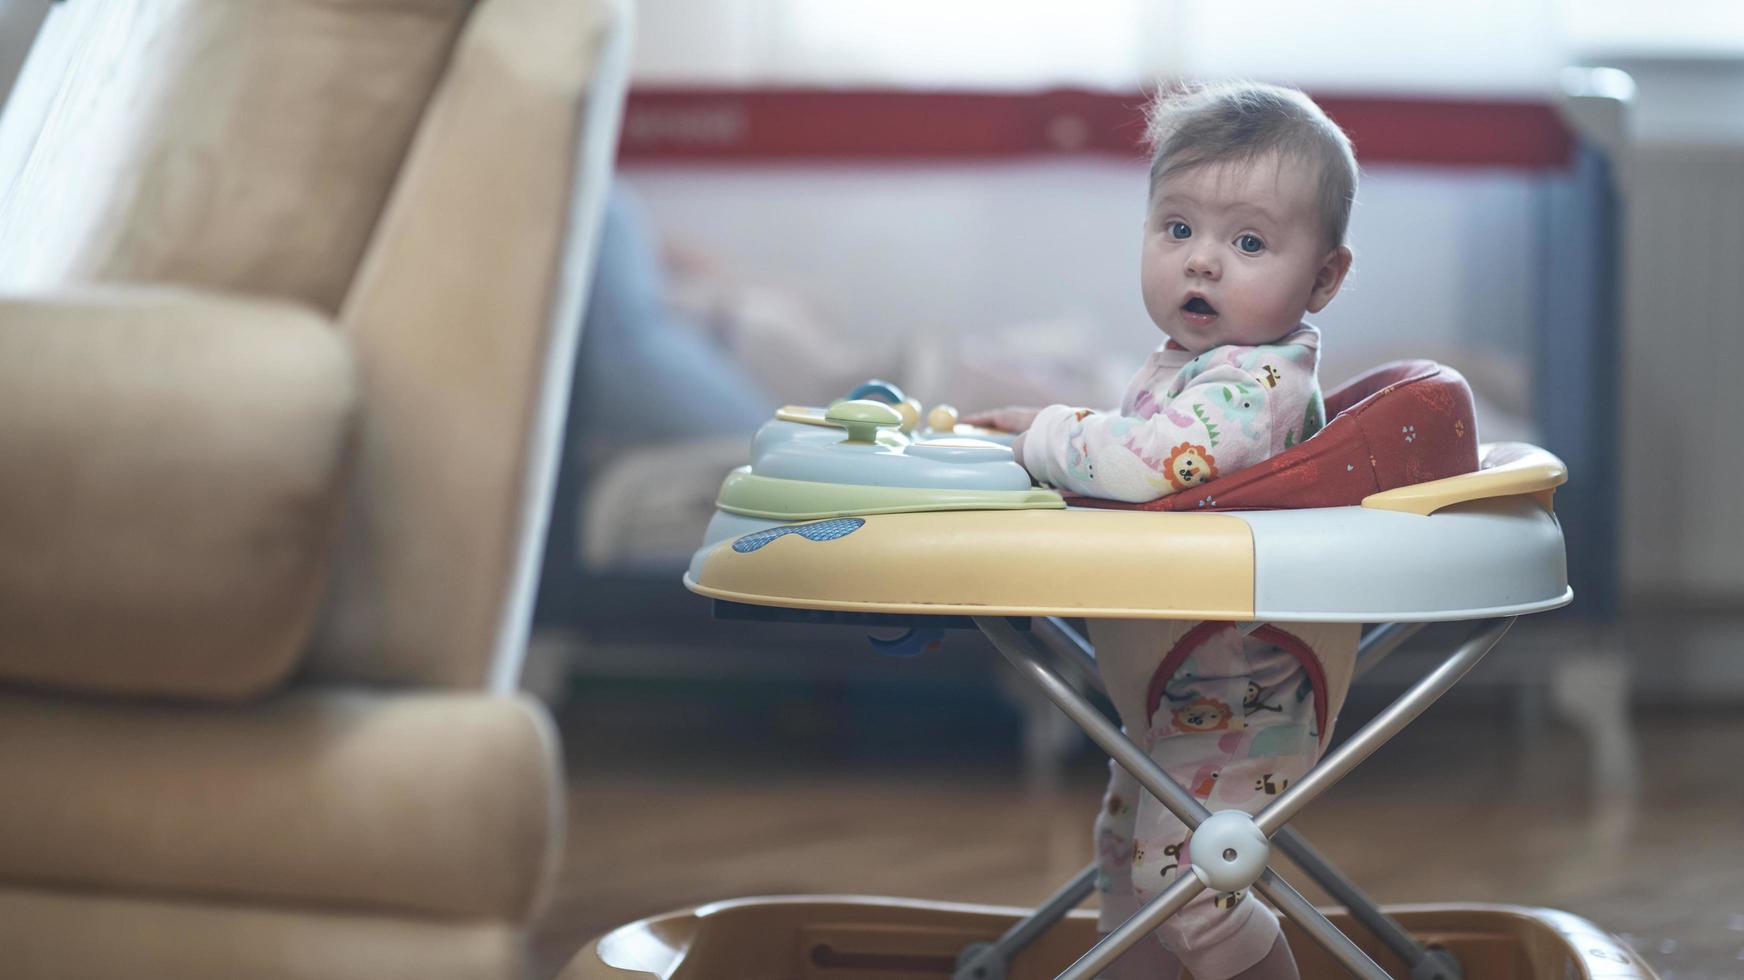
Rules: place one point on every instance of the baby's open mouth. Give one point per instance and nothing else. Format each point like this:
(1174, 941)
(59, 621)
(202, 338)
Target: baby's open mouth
(1198, 305)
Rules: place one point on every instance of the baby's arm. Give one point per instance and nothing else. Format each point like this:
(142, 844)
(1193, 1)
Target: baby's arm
(1009, 419)
(1218, 424)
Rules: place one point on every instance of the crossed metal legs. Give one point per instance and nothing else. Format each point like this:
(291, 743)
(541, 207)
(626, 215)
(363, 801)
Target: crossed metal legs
(1020, 649)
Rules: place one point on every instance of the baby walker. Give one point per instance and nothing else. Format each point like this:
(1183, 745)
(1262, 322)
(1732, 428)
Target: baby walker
(1393, 514)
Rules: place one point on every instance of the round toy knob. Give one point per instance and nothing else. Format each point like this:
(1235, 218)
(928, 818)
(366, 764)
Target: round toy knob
(1229, 852)
(943, 418)
(909, 409)
(862, 418)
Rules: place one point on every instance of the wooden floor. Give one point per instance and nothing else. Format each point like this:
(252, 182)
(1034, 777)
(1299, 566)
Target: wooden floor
(1456, 809)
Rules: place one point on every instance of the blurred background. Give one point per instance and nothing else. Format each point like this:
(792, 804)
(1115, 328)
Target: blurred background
(948, 196)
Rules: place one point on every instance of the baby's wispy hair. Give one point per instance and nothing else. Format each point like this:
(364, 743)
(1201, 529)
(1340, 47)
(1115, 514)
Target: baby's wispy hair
(1197, 124)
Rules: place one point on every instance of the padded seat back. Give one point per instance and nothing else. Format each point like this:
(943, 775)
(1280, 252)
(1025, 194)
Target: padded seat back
(1399, 424)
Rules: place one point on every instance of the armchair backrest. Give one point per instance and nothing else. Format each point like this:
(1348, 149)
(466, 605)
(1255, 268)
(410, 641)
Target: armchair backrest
(429, 175)
(465, 316)
(246, 147)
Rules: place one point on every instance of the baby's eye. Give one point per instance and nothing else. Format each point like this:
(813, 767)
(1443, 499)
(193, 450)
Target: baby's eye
(1178, 230)
(1250, 244)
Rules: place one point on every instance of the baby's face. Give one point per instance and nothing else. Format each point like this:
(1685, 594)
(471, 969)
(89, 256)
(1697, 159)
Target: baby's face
(1236, 253)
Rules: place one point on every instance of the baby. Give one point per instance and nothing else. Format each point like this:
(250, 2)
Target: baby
(1250, 191)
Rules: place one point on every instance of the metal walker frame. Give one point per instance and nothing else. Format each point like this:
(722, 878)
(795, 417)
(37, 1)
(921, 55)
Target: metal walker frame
(1028, 652)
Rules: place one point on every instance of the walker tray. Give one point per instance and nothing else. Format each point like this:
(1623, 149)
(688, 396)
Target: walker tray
(879, 520)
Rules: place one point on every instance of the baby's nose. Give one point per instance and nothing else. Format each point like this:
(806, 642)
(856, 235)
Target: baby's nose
(1202, 265)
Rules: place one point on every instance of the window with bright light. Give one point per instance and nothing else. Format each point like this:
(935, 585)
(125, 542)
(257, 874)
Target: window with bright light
(1496, 46)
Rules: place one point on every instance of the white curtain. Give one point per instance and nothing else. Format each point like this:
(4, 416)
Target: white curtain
(1473, 46)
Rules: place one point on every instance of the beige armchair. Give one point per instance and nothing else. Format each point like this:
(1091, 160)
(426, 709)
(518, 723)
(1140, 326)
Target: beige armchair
(288, 293)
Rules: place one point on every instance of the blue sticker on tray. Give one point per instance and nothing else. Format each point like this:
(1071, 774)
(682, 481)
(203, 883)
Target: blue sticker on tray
(818, 531)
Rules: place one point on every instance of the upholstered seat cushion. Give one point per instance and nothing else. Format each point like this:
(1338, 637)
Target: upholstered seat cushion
(397, 803)
(170, 466)
(98, 935)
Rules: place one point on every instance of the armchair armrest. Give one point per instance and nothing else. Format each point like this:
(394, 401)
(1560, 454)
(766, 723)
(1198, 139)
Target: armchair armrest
(169, 470)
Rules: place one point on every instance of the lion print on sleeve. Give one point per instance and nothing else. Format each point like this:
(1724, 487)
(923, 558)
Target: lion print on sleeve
(1189, 465)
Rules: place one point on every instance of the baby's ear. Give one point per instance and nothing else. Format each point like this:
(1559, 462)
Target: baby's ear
(1329, 278)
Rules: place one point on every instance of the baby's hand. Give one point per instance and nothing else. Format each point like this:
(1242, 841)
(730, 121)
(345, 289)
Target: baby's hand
(1010, 419)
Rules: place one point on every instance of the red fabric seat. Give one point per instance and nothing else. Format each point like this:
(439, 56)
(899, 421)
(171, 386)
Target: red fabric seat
(1399, 424)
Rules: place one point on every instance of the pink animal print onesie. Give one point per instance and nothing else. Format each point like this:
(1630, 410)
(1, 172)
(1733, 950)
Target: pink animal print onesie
(1185, 420)
(1233, 719)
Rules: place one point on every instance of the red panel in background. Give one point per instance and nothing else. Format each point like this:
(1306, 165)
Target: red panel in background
(764, 125)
